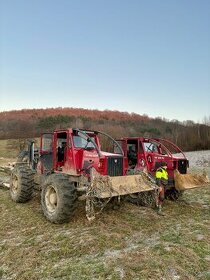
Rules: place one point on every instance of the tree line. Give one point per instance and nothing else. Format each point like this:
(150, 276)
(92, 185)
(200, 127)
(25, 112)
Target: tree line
(20, 124)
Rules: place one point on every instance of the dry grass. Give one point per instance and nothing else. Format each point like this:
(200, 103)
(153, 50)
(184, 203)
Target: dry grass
(129, 243)
(6, 150)
(9, 149)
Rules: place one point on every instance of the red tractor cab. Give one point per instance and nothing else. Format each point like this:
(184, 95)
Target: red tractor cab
(148, 153)
(75, 151)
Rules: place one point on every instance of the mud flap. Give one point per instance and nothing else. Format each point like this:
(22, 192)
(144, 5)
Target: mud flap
(190, 181)
(106, 186)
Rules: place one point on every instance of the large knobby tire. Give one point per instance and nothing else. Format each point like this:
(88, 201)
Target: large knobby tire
(58, 198)
(21, 183)
(146, 199)
(173, 194)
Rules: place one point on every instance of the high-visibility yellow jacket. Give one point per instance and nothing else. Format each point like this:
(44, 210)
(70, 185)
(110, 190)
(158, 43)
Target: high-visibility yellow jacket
(161, 176)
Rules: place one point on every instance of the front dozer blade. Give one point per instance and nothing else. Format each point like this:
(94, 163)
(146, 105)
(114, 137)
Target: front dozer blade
(106, 186)
(190, 181)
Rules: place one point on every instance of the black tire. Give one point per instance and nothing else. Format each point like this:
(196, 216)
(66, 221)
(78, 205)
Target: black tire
(58, 198)
(173, 194)
(21, 183)
(146, 199)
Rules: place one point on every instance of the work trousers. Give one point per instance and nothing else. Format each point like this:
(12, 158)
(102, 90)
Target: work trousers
(161, 195)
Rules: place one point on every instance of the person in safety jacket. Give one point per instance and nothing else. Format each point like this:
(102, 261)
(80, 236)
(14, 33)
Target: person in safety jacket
(161, 176)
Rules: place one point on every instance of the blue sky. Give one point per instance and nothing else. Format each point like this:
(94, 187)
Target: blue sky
(144, 56)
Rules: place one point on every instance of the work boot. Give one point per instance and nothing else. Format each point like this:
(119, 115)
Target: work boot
(159, 211)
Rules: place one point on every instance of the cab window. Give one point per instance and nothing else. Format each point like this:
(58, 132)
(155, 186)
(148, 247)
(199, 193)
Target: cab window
(80, 142)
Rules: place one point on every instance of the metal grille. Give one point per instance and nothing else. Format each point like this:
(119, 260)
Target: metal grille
(115, 166)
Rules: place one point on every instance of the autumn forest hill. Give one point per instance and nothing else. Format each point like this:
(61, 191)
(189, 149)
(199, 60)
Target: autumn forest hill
(30, 123)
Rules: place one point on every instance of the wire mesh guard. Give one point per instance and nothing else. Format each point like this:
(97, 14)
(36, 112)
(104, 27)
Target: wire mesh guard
(103, 188)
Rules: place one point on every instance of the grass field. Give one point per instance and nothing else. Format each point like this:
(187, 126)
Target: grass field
(9, 149)
(128, 243)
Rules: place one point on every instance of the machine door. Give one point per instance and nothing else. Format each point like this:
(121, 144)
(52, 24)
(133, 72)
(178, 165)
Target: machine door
(64, 160)
(60, 149)
(155, 154)
(132, 153)
(142, 163)
(46, 153)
